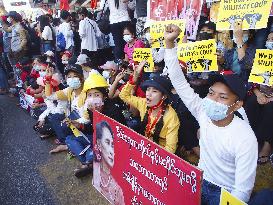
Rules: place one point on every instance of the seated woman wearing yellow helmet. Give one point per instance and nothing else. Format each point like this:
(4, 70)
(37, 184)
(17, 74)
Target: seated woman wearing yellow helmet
(95, 90)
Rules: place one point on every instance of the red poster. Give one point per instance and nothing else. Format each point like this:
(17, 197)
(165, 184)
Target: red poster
(130, 169)
(64, 5)
(162, 10)
(190, 10)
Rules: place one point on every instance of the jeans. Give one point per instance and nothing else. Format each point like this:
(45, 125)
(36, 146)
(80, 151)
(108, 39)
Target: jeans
(77, 144)
(264, 197)
(210, 194)
(61, 130)
(117, 32)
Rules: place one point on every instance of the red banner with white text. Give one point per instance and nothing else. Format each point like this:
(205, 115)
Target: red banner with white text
(130, 169)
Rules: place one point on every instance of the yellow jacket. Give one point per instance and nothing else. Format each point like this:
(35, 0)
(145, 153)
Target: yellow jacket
(169, 134)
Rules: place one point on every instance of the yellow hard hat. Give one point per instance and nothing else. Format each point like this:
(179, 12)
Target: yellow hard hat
(94, 80)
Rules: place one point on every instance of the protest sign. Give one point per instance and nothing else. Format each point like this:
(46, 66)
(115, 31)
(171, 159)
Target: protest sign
(190, 11)
(141, 54)
(253, 13)
(162, 10)
(130, 169)
(199, 56)
(157, 30)
(214, 11)
(227, 199)
(262, 70)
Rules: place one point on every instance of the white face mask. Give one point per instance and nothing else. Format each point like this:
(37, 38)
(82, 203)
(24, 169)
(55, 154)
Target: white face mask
(128, 38)
(9, 19)
(148, 36)
(65, 62)
(106, 74)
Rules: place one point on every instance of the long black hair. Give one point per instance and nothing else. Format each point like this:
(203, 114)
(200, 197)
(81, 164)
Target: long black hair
(44, 21)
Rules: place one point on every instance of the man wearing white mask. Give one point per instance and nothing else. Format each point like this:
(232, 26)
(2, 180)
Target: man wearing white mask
(109, 71)
(228, 146)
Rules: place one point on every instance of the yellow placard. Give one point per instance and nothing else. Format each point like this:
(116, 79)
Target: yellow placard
(228, 199)
(214, 10)
(141, 54)
(157, 31)
(253, 13)
(262, 70)
(199, 56)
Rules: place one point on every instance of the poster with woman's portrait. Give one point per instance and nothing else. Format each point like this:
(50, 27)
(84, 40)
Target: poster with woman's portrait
(190, 10)
(130, 169)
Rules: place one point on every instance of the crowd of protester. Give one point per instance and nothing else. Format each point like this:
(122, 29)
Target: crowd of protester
(69, 66)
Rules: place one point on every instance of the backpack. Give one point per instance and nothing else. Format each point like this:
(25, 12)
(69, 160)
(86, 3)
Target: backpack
(61, 43)
(33, 40)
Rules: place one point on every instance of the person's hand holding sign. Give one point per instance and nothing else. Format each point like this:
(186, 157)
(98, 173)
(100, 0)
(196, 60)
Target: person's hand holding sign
(171, 33)
(138, 70)
(238, 36)
(238, 33)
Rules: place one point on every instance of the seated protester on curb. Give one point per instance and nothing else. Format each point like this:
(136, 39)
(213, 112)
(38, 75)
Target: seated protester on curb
(43, 126)
(110, 70)
(199, 80)
(240, 58)
(225, 157)
(95, 89)
(259, 109)
(75, 105)
(187, 134)
(129, 36)
(45, 32)
(159, 121)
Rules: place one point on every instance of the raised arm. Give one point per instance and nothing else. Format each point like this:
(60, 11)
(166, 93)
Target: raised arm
(192, 100)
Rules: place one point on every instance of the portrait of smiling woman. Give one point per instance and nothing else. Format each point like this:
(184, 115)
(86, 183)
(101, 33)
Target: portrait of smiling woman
(104, 161)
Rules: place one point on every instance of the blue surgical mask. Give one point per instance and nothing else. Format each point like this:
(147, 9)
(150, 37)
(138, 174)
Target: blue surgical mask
(73, 83)
(42, 73)
(269, 45)
(245, 38)
(215, 111)
(127, 38)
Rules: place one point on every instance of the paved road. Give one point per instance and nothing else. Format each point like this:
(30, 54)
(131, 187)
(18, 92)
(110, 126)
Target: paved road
(28, 174)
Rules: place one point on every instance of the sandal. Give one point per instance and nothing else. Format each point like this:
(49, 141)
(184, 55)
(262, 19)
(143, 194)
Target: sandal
(263, 160)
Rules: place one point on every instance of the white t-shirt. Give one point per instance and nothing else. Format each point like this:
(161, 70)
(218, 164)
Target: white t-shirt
(88, 30)
(47, 34)
(120, 14)
(66, 30)
(228, 155)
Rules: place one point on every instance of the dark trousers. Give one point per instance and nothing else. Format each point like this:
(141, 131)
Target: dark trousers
(210, 193)
(117, 32)
(61, 130)
(260, 118)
